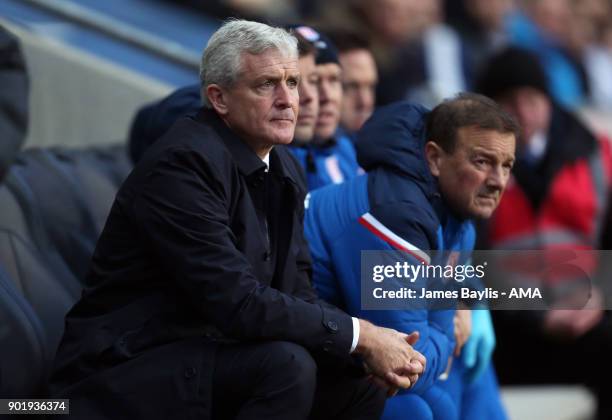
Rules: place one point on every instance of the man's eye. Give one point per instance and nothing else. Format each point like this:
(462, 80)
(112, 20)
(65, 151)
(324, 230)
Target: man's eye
(292, 82)
(267, 84)
(481, 162)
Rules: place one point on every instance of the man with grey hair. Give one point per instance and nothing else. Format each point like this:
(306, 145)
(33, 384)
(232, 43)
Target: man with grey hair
(199, 302)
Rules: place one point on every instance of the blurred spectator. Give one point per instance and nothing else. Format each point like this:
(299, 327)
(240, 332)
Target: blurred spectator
(329, 157)
(275, 10)
(567, 35)
(422, 62)
(270, 10)
(418, 57)
(592, 26)
(544, 27)
(330, 89)
(481, 27)
(398, 21)
(14, 88)
(395, 30)
(557, 200)
(359, 79)
(308, 91)
(440, 51)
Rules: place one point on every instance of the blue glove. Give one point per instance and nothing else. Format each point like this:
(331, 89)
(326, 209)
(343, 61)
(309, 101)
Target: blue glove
(477, 351)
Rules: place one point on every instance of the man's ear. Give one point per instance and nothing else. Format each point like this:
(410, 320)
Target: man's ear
(433, 155)
(217, 99)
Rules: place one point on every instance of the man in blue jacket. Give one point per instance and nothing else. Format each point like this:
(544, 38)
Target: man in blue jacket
(427, 175)
(327, 155)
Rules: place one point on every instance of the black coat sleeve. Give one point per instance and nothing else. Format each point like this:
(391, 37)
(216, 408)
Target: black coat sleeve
(183, 212)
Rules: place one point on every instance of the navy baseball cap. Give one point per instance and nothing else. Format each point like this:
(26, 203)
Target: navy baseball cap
(326, 50)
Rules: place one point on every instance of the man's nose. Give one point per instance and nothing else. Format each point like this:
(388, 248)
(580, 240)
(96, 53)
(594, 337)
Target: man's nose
(364, 98)
(497, 178)
(306, 95)
(285, 96)
(323, 92)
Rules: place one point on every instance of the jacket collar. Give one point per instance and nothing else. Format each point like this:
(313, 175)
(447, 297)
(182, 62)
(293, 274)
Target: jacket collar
(246, 159)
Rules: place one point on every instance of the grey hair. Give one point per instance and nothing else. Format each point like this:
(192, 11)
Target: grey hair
(221, 60)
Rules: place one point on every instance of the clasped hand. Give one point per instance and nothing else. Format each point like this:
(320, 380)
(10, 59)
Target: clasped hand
(389, 356)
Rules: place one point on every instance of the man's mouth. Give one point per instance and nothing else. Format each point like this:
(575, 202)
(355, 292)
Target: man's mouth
(326, 116)
(488, 197)
(290, 120)
(305, 117)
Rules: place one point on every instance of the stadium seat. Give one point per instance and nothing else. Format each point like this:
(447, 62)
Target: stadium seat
(98, 173)
(54, 203)
(22, 346)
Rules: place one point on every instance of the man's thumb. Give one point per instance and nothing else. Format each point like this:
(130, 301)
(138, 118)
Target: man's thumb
(412, 338)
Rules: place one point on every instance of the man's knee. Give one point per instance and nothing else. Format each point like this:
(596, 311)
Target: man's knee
(292, 365)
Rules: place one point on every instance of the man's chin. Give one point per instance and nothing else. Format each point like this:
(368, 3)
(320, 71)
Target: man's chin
(284, 138)
(305, 137)
(483, 213)
(324, 131)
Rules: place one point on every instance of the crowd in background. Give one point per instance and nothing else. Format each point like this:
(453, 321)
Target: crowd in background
(429, 49)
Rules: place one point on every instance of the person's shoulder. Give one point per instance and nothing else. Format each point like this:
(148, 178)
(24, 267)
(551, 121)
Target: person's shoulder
(191, 146)
(192, 134)
(343, 140)
(345, 147)
(407, 222)
(404, 209)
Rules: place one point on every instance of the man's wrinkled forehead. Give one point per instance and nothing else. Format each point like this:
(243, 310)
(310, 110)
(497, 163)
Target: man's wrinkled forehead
(269, 61)
(486, 140)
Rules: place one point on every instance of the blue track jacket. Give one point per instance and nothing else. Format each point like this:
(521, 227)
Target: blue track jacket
(330, 163)
(394, 206)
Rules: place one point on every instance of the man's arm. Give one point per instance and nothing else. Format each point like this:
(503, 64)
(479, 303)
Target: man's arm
(407, 223)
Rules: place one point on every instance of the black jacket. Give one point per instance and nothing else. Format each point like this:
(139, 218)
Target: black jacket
(201, 246)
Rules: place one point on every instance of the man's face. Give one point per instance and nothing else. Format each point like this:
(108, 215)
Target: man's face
(330, 99)
(473, 177)
(489, 13)
(262, 106)
(309, 98)
(397, 21)
(531, 108)
(359, 78)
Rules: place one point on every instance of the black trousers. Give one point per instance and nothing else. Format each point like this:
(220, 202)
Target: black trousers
(525, 355)
(282, 380)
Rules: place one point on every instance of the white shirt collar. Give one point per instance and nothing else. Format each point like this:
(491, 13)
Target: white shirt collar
(266, 160)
